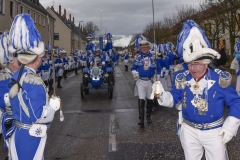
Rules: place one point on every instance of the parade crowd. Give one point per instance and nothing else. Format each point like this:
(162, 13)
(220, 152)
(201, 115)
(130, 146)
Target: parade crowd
(190, 77)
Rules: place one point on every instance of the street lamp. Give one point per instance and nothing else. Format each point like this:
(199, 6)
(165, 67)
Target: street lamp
(79, 45)
(154, 38)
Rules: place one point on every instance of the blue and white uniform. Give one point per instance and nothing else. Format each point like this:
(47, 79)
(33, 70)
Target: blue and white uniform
(29, 107)
(145, 65)
(45, 70)
(59, 66)
(126, 57)
(235, 65)
(76, 61)
(83, 59)
(201, 99)
(5, 108)
(100, 59)
(28, 95)
(203, 103)
(143, 68)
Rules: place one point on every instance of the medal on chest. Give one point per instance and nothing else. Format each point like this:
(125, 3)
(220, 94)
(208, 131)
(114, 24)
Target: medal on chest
(196, 86)
(200, 91)
(146, 63)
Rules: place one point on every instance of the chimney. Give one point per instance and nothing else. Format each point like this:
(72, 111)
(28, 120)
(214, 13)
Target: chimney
(60, 11)
(64, 14)
(70, 17)
(73, 20)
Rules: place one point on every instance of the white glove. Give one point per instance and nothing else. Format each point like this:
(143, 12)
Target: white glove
(135, 74)
(157, 89)
(166, 73)
(55, 103)
(226, 135)
(7, 100)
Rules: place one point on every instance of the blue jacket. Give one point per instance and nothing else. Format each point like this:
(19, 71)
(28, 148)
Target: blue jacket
(146, 59)
(215, 95)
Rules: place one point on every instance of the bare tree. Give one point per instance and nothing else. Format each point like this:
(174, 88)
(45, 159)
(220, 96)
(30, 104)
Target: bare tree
(90, 27)
(224, 16)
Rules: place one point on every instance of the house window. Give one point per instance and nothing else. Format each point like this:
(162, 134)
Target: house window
(29, 12)
(39, 19)
(21, 10)
(34, 17)
(56, 36)
(1, 6)
(11, 9)
(43, 22)
(208, 29)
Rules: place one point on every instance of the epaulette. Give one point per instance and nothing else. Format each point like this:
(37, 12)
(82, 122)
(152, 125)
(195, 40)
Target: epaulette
(178, 67)
(33, 79)
(181, 79)
(225, 78)
(4, 76)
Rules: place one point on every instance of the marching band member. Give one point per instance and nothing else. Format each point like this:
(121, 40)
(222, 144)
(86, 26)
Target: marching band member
(98, 58)
(58, 63)
(126, 57)
(9, 64)
(172, 58)
(45, 66)
(202, 93)
(236, 65)
(143, 69)
(89, 49)
(29, 99)
(83, 60)
(76, 62)
(65, 64)
(108, 49)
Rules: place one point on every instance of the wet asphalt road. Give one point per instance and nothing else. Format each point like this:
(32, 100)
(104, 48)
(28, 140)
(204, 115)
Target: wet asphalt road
(99, 128)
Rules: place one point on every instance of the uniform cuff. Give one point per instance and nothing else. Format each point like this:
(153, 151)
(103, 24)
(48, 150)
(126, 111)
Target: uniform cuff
(231, 124)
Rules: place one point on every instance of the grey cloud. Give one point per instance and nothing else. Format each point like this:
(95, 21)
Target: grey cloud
(119, 17)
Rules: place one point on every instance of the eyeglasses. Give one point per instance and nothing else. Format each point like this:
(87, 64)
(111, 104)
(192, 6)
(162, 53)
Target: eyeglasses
(195, 65)
(144, 47)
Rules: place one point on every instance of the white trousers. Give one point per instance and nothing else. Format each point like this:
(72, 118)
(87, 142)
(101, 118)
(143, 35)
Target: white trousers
(195, 141)
(126, 61)
(143, 88)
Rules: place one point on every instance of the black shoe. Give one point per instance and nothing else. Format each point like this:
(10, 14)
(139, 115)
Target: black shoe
(6, 158)
(149, 120)
(59, 86)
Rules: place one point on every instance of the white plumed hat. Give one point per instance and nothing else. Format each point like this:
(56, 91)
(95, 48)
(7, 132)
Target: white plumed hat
(25, 39)
(193, 43)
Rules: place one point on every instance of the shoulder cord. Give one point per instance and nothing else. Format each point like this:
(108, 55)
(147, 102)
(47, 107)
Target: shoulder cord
(24, 107)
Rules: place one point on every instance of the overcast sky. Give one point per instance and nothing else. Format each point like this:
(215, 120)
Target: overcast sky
(122, 18)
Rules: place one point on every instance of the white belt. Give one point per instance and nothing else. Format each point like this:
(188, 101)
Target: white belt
(24, 125)
(204, 125)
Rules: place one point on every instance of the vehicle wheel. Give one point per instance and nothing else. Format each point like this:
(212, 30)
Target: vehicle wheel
(86, 90)
(111, 78)
(82, 91)
(85, 83)
(110, 90)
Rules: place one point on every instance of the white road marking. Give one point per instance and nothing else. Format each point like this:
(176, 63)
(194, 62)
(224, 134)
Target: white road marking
(112, 134)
